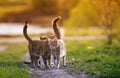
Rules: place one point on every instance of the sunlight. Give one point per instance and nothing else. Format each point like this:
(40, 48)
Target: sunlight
(90, 47)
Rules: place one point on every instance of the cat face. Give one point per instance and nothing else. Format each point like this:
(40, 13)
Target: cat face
(53, 43)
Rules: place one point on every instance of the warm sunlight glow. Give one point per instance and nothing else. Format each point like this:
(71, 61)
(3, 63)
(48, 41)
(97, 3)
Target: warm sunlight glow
(90, 47)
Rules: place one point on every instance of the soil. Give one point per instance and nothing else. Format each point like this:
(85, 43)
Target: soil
(63, 72)
(2, 48)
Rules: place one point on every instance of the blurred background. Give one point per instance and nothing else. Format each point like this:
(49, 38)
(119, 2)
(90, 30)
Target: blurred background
(79, 17)
(90, 29)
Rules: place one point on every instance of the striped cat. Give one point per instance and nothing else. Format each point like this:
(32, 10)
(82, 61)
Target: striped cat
(37, 48)
(56, 44)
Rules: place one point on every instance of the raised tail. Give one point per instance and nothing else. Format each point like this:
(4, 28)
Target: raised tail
(25, 32)
(55, 27)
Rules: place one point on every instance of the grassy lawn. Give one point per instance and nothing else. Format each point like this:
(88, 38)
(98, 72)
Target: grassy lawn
(91, 56)
(11, 65)
(94, 58)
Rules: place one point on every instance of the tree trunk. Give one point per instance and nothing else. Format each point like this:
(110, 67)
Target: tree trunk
(110, 38)
(109, 32)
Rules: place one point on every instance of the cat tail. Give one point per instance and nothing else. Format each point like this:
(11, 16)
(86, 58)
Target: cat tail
(55, 27)
(25, 32)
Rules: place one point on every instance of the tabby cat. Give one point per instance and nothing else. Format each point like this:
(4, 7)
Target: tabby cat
(37, 48)
(56, 44)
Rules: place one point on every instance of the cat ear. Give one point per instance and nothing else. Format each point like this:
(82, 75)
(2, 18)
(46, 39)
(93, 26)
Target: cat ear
(40, 38)
(43, 38)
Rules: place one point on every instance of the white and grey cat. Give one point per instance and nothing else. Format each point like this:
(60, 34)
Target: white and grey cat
(57, 45)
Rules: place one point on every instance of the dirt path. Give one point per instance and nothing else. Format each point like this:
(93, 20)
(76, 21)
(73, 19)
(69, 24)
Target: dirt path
(2, 48)
(55, 73)
(51, 73)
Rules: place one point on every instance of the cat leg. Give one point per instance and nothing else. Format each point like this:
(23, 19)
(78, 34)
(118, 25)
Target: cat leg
(38, 65)
(58, 62)
(45, 62)
(33, 62)
(51, 61)
(41, 62)
(36, 61)
(54, 61)
(64, 60)
(31, 58)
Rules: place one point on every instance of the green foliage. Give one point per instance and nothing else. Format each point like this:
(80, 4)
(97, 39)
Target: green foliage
(95, 58)
(83, 15)
(68, 5)
(89, 13)
(93, 13)
(10, 61)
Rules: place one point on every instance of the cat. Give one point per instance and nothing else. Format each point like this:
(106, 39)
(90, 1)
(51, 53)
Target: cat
(56, 44)
(37, 48)
(60, 51)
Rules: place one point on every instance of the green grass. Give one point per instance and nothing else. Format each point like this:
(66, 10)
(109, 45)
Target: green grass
(91, 56)
(11, 65)
(94, 58)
